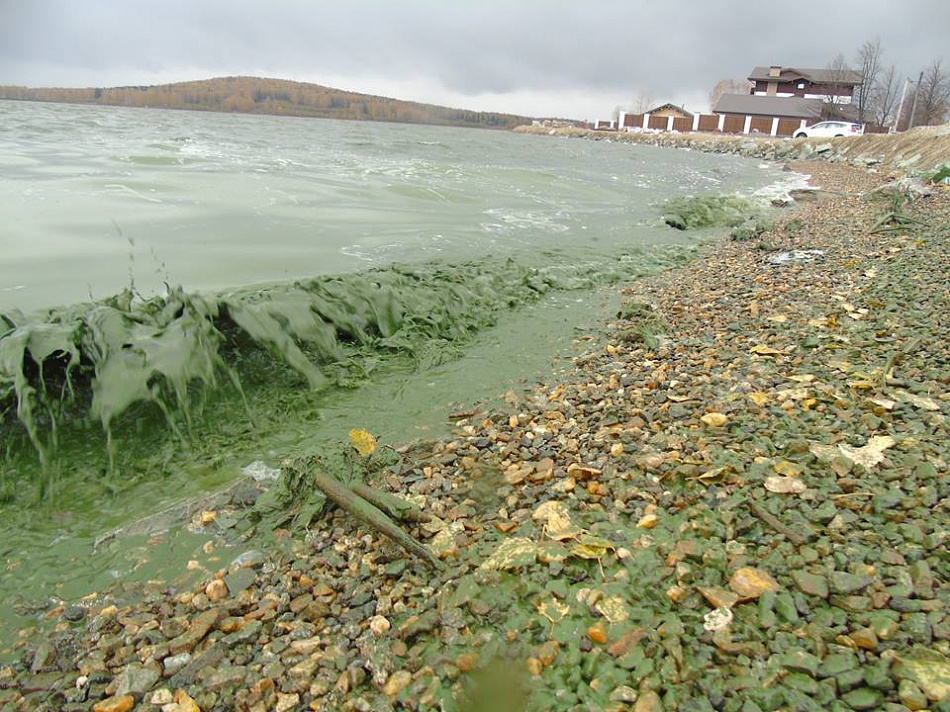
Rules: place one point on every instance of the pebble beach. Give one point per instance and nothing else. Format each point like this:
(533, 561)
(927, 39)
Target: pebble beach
(737, 500)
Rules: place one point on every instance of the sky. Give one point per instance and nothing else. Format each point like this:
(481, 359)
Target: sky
(576, 59)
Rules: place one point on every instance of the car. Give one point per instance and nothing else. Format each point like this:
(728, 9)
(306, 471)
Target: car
(831, 129)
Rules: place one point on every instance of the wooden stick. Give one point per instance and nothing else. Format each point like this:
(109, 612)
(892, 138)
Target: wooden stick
(390, 504)
(366, 512)
(782, 528)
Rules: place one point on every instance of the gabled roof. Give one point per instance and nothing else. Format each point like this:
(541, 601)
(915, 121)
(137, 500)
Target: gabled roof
(668, 106)
(816, 76)
(783, 106)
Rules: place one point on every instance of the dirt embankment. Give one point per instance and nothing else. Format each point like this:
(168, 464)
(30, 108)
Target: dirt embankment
(923, 148)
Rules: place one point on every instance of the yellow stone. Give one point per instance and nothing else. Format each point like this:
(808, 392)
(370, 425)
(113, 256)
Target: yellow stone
(216, 590)
(397, 682)
(751, 583)
(715, 420)
(597, 633)
(122, 703)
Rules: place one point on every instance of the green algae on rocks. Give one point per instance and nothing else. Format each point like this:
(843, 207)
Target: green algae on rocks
(710, 211)
(95, 361)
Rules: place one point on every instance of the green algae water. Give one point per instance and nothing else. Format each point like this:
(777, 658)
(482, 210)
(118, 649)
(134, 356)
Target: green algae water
(182, 294)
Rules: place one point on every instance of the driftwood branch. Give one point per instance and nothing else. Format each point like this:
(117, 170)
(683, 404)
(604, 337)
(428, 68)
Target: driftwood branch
(776, 524)
(349, 501)
(390, 504)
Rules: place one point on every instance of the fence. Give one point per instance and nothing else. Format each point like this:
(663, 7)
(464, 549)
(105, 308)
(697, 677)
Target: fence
(722, 123)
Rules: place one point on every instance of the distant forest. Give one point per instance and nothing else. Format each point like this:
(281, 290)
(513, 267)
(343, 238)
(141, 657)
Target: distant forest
(251, 95)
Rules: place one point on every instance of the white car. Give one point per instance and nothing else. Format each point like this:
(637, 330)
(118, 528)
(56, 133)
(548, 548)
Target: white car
(830, 129)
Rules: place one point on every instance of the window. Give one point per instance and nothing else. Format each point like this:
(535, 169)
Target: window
(801, 85)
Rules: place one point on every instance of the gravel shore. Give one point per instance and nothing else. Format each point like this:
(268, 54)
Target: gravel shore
(737, 500)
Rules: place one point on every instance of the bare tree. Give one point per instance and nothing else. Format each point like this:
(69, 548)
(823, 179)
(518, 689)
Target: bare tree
(728, 86)
(839, 75)
(868, 61)
(642, 102)
(933, 95)
(884, 97)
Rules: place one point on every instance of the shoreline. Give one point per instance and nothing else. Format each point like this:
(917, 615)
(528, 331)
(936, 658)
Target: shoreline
(921, 149)
(651, 582)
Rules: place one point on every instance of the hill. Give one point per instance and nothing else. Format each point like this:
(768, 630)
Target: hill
(281, 97)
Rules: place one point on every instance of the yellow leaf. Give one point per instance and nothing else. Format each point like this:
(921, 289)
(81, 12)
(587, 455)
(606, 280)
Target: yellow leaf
(553, 610)
(784, 485)
(789, 469)
(512, 553)
(871, 454)
(591, 547)
(363, 441)
(759, 398)
(803, 378)
(778, 318)
(763, 350)
(613, 609)
(557, 521)
(714, 419)
(754, 308)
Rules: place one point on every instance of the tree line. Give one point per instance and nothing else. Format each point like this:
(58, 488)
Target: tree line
(280, 97)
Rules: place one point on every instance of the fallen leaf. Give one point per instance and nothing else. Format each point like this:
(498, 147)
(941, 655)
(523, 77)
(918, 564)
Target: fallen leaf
(754, 308)
(803, 378)
(784, 485)
(791, 394)
(921, 402)
(759, 398)
(714, 419)
(613, 609)
(778, 318)
(751, 583)
(884, 403)
(512, 553)
(557, 521)
(871, 454)
(591, 547)
(789, 469)
(763, 350)
(553, 610)
(363, 441)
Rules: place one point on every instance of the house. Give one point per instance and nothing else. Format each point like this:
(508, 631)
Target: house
(828, 85)
(677, 112)
(769, 106)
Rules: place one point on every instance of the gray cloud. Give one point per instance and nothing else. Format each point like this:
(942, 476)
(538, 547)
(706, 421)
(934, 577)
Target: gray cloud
(565, 57)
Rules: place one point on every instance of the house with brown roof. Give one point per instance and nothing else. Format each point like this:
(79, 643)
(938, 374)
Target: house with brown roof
(829, 85)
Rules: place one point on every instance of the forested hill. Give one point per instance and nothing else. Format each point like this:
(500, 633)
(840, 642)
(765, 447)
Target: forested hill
(281, 97)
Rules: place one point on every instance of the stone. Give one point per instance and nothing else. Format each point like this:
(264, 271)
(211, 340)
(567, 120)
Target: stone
(811, 584)
(648, 701)
(911, 696)
(597, 633)
(845, 583)
(864, 638)
(286, 702)
(198, 629)
(137, 679)
(397, 682)
(801, 661)
(216, 590)
(751, 583)
(118, 703)
(863, 698)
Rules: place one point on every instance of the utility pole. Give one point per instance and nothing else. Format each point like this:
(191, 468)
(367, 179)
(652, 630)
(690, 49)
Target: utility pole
(900, 107)
(913, 107)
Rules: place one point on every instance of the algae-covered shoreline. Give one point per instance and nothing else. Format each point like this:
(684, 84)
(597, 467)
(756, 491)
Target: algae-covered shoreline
(743, 512)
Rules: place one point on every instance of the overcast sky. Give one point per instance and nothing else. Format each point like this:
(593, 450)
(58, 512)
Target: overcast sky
(572, 59)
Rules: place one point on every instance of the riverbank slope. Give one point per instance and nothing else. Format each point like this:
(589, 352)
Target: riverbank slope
(922, 148)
